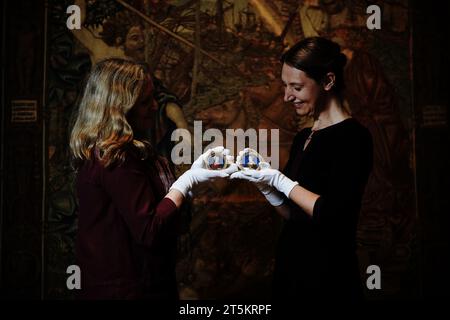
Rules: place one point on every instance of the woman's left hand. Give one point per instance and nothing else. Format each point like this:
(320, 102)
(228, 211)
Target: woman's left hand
(200, 163)
(267, 176)
(198, 173)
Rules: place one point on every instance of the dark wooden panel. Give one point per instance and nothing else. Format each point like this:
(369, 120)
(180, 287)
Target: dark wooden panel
(431, 95)
(23, 175)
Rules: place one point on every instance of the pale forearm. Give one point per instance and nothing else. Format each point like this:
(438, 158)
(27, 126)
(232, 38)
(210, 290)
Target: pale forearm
(176, 196)
(305, 199)
(81, 34)
(283, 211)
(175, 113)
(82, 5)
(96, 47)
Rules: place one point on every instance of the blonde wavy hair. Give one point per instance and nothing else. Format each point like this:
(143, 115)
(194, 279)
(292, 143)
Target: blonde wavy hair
(101, 129)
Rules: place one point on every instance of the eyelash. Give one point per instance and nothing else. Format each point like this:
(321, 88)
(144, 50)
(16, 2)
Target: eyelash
(295, 88)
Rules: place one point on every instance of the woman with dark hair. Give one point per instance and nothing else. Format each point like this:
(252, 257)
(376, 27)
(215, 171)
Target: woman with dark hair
(128, 200)
(323, 181)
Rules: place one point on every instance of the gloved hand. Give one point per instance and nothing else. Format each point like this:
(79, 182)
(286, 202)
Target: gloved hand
(267, 179)
(274, 197)
(198, 172)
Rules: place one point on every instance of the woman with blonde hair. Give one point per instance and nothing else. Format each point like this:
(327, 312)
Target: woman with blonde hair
(128, 203)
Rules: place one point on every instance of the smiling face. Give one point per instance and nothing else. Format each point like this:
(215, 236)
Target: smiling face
(142, 114)
(303, 92)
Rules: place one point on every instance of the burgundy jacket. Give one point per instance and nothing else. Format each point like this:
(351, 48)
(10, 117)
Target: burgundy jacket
(126, 241)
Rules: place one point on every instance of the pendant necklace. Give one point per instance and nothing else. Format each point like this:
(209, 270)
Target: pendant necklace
(308, 139)
(313, 129)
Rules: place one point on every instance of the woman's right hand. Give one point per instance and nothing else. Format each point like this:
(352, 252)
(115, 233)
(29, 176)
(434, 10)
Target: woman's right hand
(198, 172)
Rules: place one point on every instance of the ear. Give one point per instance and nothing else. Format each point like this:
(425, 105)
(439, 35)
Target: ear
(329, 81)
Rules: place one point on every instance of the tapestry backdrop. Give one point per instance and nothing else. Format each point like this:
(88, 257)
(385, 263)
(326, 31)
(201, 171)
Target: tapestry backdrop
(227, 246)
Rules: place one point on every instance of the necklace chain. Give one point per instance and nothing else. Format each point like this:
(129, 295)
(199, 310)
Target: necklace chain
(308, 139)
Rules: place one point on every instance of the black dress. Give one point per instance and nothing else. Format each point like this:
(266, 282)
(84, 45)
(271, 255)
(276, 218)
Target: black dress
(316, 256)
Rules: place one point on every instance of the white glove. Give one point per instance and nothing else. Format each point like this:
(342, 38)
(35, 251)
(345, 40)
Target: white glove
(274, 197)
(267, 178)
(198, 172)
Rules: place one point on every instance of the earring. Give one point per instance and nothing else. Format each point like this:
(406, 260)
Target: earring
(331, 84)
